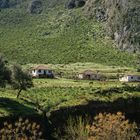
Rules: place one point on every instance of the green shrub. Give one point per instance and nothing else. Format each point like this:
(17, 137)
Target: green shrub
(75, 129)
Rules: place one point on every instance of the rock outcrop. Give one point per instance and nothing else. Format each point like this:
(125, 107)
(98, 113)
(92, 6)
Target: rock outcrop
(4, 4)
(35, 7)
(121, 19)
(75, 4)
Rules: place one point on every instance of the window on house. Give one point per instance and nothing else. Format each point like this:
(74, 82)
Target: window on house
(132, 77)
(49, 71)
(39, 71)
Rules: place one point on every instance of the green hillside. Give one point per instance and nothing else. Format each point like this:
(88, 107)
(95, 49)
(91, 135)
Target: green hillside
(56, 35)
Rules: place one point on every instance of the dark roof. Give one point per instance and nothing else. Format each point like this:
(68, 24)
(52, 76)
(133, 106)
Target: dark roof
(40, 67)
(132, 75)
(89, 72)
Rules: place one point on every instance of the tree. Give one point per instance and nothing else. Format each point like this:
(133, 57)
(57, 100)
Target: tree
(21, 80)
(5, 73)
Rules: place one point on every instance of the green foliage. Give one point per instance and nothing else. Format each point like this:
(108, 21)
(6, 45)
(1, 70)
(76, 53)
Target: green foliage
(21, 80)
(75, 129)
(52, 94)
(22, 129)
(5, 73)
(57, 36)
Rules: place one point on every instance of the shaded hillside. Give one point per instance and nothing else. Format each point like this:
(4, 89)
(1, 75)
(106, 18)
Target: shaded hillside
(121, 19)
(48, 32)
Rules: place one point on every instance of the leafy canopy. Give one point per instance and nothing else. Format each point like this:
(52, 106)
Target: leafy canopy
(21, 80)
(5, 73)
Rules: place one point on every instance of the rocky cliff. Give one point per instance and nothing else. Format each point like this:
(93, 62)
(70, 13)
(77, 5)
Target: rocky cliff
(121, 20)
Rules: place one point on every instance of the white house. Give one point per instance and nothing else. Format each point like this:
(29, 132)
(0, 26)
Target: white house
(42, 72)
(130, 78)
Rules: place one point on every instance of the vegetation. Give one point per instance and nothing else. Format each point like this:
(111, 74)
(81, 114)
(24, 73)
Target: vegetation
(70, 71)
(59, 32)
(5, 73)
(105, 126)
(121, 20)
(35, 7)
(112, 126)
(22, 129)
(75, 129)
(48, 95)
(54, 94)
(18, 78)
(57, 35)
(21, 80)
(75, 4)
(51, 95)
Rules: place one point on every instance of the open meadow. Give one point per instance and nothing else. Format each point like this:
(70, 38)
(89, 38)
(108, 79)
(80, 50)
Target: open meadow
(52, 94)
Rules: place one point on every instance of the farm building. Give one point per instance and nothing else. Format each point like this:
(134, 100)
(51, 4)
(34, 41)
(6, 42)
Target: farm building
(42, 72)
(88, 75)
(130, 78)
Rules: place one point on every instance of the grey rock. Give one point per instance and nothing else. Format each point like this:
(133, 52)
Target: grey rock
(35, 7)
(74, 4)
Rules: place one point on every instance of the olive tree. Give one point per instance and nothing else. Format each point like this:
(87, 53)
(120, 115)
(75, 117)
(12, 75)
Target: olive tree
(21, 80)
(5, 73)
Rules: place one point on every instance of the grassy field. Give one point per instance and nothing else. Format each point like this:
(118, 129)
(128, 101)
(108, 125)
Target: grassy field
(72, 69)
(52, 94)
(57, 35)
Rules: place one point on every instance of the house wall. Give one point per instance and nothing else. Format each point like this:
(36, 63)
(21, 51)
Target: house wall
(134, 78)
(80, 76)
(36, 73)
(130, 78)
(124, 79)
(90, 77)
(94, 77)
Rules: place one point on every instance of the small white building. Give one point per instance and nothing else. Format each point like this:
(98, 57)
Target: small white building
(42, 72)
(130, 78)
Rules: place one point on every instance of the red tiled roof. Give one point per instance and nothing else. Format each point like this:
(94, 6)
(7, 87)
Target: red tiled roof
(40, 67)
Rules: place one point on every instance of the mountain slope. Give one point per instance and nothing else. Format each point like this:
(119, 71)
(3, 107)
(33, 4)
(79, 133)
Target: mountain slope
(121, 19)
(56, 35)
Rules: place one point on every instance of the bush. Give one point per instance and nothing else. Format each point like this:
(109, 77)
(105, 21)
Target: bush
(111, 127)
(138, 70)
(5, 73)
(104, 127)
(75, 4)
(79, 3)
(35, 7)
(22, 129)
(70, 4)
(75, 129)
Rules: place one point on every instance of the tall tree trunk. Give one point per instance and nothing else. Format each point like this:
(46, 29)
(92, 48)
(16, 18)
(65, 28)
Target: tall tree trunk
(19, 93)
